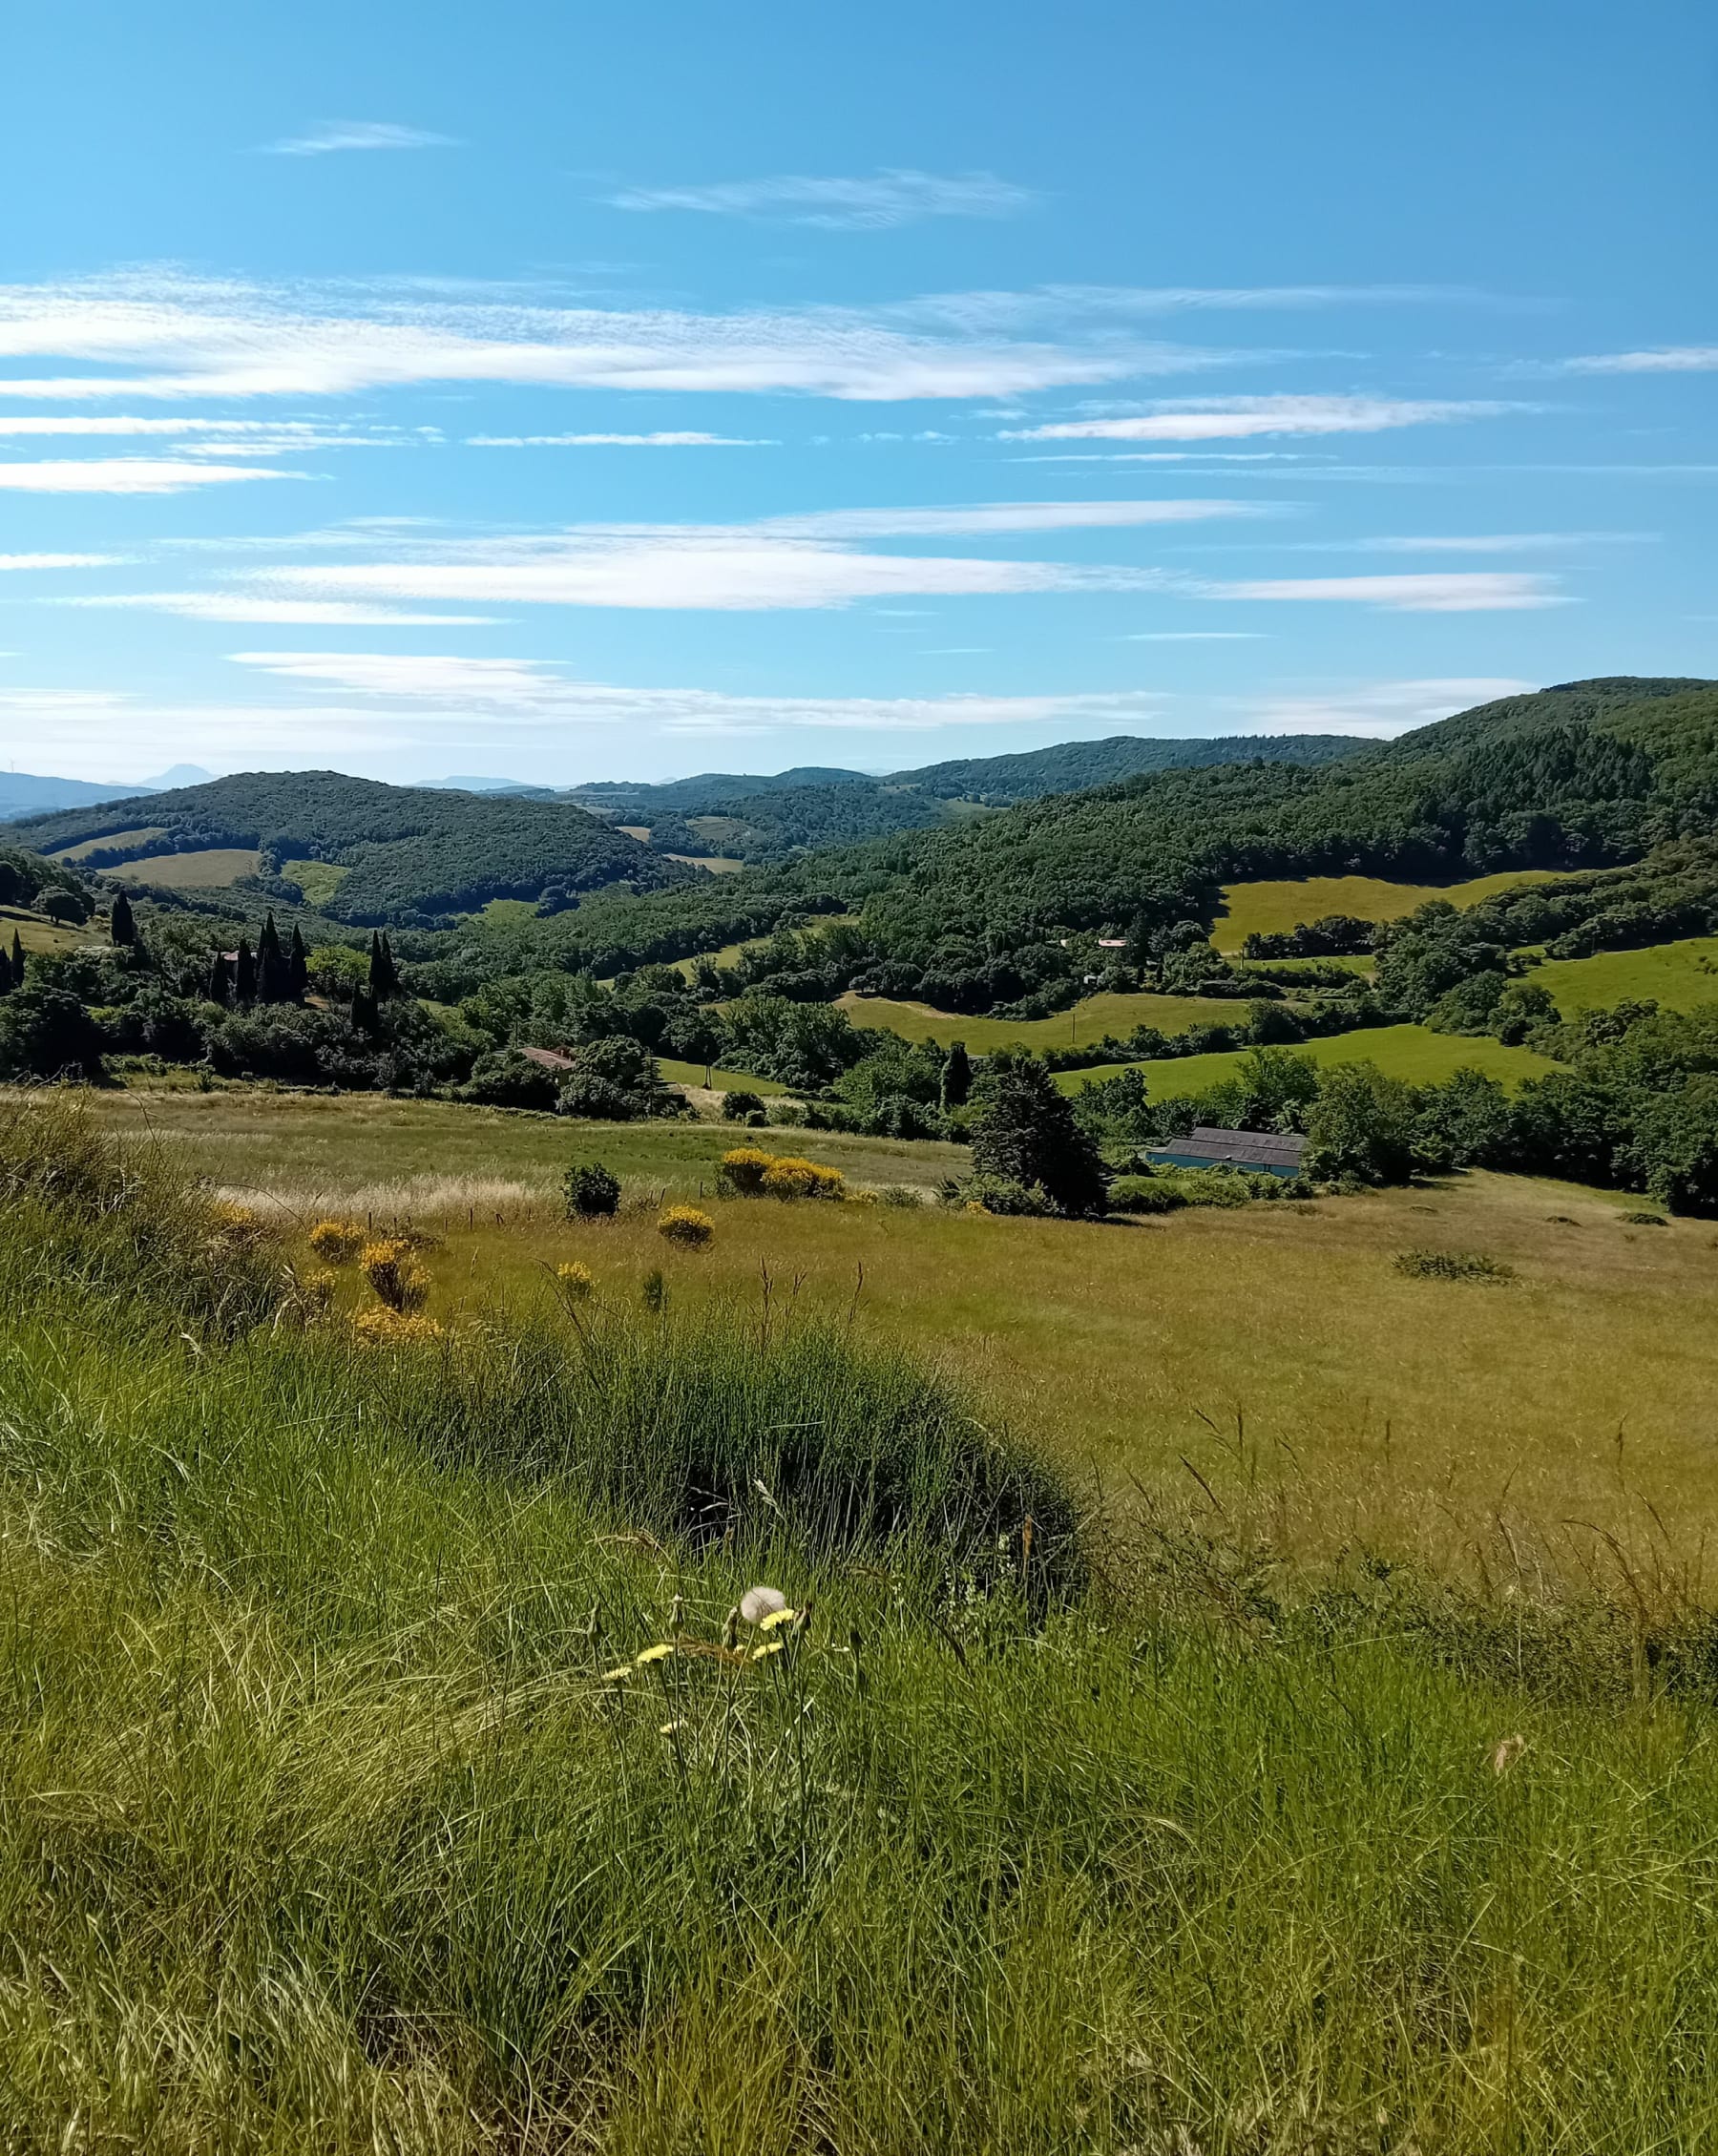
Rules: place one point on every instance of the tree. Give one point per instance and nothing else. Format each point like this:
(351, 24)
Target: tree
(298, 967)
(221, 978)
(592, 1192)
(46, 1032)
(1466, 1122)
(64, 906)
(1026, 1134)
(1675, 1147)
(383, 980)
(272, 986)
(244, 975)
(122, 930)
(17, 960)
(956, 1085)
(7, 980)
(1362, 1125)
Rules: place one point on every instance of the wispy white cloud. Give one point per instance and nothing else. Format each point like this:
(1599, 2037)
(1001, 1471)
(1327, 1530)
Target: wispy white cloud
(1478, 590)
(358, 134)
(684, 441)
(219, 437)
(871, 203)
(1382, 709)
(977, 517)
(1665, 359)
(1483, 542)
(242, 606)
(691, 569)
(212, 337)
(1239, 417)
(129, 475)
(530, 692)
(59, 560)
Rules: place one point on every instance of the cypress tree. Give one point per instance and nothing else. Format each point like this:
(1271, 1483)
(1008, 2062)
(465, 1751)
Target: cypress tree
(384, 981)
(364, 1009)
(221, 979)
(17, 960)
(298, 967)
(271, 964)
(957, 1076)
(122, 930)
(244, 975)
(7, 983)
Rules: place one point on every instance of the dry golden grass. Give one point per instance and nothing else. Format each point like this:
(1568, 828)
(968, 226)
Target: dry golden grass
(1264, 1368)
(36, 932)
(211, 870)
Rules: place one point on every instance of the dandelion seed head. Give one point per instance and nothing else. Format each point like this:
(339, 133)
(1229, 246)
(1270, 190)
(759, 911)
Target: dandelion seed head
(759, 1602)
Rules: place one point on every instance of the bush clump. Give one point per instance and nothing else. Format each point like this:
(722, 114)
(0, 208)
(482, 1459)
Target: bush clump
(337, 1243)
(393, 1271)
(1147, 1194)
(741, 1106)
(743, 1170)
(999, 1195)
(388, 1328)
(790, 1177)
(1452, 1264)
(686, 1227)
(592, 1193)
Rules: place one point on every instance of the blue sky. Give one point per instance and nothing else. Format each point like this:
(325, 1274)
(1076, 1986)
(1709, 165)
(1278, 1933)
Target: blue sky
(562, 392)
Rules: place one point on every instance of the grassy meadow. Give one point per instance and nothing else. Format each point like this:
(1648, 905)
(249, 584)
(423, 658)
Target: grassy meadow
(214, 869)
(139, 836)
(1676, 974)
(1414, 1053)
(385, 1763)
(35, 932)
(1272, 909)
(1324, 1398)
(1089, 1020)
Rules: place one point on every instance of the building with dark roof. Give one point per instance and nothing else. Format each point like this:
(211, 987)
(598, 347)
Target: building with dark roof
(1257, 1152)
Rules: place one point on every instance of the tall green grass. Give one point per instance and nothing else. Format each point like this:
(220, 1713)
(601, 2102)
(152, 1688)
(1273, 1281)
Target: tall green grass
(325, 1824)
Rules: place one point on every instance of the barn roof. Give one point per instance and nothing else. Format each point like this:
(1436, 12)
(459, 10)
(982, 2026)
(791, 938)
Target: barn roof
(1237, 1148)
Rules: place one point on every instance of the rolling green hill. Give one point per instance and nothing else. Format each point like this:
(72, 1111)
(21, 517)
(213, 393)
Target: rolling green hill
(411, 855)
(768, 818)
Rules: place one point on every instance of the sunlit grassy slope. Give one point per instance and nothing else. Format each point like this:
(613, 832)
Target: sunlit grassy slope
(1676, 974)
(1271, 909)
(35, 932)
(1414, 1053)
(374, 1776)
(1089, 1020)
(318, 880)
(211, 870)
(140, 836)
(1370, 1406)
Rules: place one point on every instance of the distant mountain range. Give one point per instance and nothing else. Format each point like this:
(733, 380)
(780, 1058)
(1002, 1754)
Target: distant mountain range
(23, 794)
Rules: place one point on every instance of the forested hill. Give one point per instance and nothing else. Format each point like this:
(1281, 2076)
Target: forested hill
(406, 854)
(1579, 775)
(768, 818)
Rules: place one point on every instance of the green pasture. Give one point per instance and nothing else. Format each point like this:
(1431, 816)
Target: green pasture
(1273, 908)
(1089, 1020)
(1676, 974)
(1414, 1053)
(318, 880)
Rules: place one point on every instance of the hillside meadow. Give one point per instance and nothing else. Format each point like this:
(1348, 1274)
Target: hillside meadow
(1676, 974)
(1322, 1397)
(1090, 1019)
(707, 1729)
(1273, 908)
(1413, 1052)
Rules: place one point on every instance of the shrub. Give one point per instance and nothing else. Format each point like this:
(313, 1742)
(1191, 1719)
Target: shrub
(393, 1271)
(790, 1177)
(577, 1283)
(336, 1242)
(1146, 1194)
(1452, 1264)
(591, 1191)
(905, 1195)
(1000, 1195)
(388, 1328)
(653, 1290)
(1644, 1220)
(736, 1106)
(744, 1169)
(686, 1227)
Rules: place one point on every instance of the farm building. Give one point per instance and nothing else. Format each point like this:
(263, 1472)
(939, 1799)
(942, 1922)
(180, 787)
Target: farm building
(1259, 1152)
